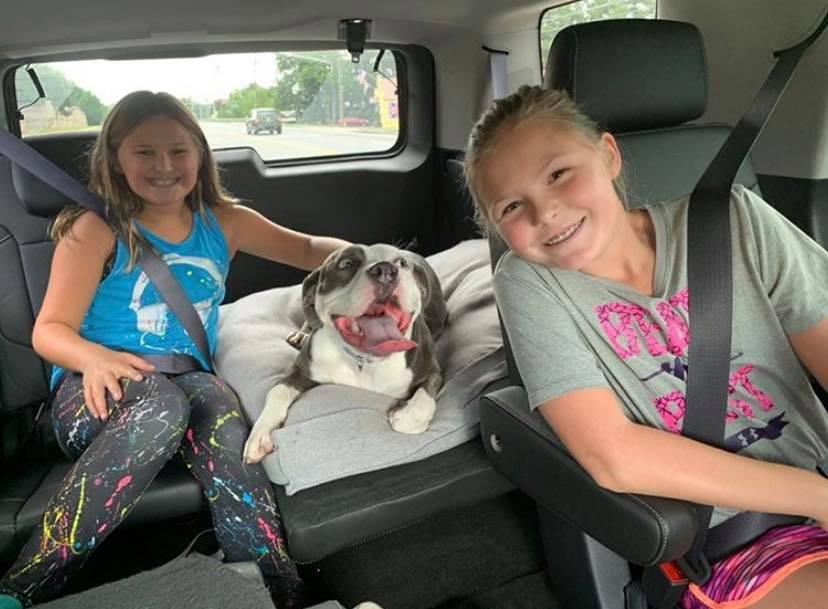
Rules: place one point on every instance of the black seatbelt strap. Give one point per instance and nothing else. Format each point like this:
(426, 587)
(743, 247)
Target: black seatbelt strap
(710, 286)
(171, 292)
(178, 302)
(735, 533)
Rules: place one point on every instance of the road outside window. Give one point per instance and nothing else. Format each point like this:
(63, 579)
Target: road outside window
(286, 105)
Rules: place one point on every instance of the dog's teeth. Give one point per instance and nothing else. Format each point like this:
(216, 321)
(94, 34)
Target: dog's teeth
(354, 326)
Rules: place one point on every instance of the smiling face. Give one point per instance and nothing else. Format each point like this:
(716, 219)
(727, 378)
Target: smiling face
(548, 192)
(160, 161)
(371, 296)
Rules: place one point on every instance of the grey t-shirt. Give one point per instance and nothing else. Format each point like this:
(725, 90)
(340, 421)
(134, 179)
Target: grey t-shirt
(571, 331)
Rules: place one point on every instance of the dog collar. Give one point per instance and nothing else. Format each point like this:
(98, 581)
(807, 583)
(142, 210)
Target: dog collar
(359, 357)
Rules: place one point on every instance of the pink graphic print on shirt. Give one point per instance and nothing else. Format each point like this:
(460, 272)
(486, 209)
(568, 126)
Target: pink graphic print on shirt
(632, 332)
(623, 322)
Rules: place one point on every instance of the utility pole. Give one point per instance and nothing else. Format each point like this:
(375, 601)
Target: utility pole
(339, 95)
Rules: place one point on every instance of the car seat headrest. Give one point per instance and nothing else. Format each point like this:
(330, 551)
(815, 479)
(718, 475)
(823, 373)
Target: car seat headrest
(631, 74)
(70, 152)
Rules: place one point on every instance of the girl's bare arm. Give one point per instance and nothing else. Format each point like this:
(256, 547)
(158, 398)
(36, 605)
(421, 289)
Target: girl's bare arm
(249, 231)
(77, 266)
(623, 456)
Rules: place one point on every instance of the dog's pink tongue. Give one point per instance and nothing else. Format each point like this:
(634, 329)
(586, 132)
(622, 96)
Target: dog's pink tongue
(382, 335)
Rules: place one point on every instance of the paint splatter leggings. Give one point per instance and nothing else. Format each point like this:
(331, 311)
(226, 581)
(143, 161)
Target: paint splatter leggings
(195, 415)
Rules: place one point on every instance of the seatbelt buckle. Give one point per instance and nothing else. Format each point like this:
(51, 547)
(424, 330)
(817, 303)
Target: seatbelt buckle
(663, 585)
(698, 573)
(681, 573)
(673, 573)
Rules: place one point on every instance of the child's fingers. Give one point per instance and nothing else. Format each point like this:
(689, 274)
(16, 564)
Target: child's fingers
(129, 372)
(87, 399)
(91, 403)
(99, 400)
(140, 363)
(114, 386)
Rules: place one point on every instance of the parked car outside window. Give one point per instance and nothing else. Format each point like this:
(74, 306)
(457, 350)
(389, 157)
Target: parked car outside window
(352, 121)
(263, 119)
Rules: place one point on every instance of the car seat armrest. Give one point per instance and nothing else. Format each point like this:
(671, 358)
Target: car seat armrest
(642, 529)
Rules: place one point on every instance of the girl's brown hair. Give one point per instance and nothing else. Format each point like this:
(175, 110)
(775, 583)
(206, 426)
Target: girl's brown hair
(528, 102)
(122, 205)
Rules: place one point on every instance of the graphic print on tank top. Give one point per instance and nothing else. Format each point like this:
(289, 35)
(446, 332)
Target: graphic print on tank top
(203, 280)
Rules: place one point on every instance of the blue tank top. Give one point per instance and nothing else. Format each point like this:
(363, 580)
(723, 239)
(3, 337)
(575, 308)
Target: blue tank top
(127, 313)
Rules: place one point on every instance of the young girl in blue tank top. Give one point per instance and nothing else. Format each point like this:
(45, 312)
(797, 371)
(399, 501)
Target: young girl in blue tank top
(112, 412)
(594, 299)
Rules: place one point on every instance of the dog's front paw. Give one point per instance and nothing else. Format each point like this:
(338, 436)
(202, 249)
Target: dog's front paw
(259, 444)
(297, 338)
(414, 415)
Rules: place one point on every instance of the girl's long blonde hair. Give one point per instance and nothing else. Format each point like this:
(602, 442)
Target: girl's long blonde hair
(528, 102)
(122, 205)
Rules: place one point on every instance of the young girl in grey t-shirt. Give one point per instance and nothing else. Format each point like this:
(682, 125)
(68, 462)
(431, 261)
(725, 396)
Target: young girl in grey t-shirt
(594, 299)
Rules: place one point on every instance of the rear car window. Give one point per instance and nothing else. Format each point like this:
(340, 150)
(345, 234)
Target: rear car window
(556, 18)
(285, 105)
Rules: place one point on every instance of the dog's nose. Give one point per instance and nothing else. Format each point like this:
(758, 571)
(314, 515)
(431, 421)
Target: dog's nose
(383, 272)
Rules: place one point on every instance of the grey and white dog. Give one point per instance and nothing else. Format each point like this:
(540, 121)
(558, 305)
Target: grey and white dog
(372, 314)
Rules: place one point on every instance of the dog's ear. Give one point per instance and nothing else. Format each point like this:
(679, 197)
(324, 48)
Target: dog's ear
(434, 302)
(421, 277)
(309, 286)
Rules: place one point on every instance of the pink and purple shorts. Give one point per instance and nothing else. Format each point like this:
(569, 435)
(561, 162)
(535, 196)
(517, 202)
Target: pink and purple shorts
(748, 575)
